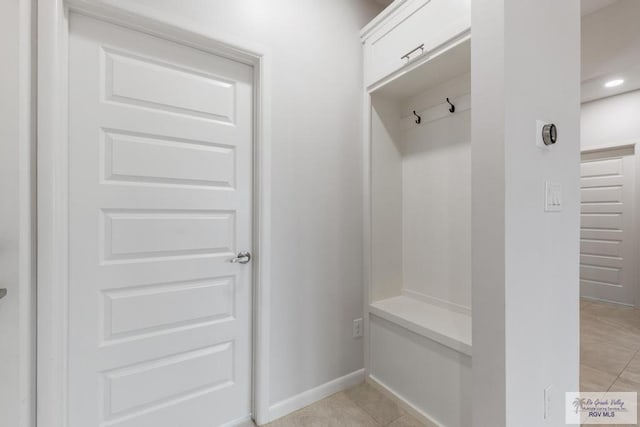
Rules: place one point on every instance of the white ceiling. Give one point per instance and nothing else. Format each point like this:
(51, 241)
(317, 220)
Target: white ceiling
(610, 47)
(595, 88)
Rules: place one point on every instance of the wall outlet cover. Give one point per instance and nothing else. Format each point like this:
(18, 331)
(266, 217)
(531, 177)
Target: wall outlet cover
(357, 328)
(547, 402)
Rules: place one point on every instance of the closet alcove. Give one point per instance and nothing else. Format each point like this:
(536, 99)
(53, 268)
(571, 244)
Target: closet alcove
(418, 232)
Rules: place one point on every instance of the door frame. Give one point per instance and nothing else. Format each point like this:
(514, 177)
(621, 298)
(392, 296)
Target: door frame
(52, 188)
(633, 145)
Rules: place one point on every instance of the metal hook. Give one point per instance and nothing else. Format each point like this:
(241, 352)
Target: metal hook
(452, 109)
(418, 118)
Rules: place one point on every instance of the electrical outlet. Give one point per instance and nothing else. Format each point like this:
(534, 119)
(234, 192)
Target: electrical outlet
(357, 328)
(547, 402)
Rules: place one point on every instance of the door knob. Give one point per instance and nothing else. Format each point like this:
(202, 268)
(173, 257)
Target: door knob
(242, 258)
(3, 292)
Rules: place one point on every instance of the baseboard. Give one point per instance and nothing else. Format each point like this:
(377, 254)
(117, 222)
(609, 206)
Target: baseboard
(308, 397)
(404, 404)
(242, 422)
(593, 299)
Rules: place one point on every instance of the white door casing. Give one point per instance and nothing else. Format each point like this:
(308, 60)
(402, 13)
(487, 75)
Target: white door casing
(160, 199)
(608, 243)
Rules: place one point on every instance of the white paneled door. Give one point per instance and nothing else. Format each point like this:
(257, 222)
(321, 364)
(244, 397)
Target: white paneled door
(160, 202)
(607, 246)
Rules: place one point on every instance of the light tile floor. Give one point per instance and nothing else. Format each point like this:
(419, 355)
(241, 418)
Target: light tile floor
(609, 347)
(609, 355)
(359, 406)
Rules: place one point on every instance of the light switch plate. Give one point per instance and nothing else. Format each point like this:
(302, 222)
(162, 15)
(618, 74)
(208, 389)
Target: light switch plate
(552, 197)
(357, 328)
(547, 402)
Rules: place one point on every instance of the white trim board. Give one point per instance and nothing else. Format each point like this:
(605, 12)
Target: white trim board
(242, 422)
(24, 294)
(308, 397)
(630, 144)
(636, 222)
(402, 402)
(458, 308)
(436, 112)
(587, 298)
(386, 12)
(52, 187)
(609, 152)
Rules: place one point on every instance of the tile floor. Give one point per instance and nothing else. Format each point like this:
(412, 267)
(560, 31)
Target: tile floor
(609, 354)
(609, 347)
(359, 406)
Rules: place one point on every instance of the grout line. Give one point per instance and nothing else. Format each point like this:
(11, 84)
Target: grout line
(611, 322)
(402, 412)
(630, 360)
(357, 405)
(623, 369)
(395, 419)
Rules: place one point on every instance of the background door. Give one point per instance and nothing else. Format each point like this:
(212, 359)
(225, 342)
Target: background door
(160, 158)
(607, 247)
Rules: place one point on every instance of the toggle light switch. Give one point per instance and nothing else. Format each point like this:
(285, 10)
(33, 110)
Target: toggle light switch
(553, 197)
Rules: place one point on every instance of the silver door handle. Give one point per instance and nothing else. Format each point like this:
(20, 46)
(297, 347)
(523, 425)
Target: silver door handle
(242, 258)
(407, 56)
(3, 292)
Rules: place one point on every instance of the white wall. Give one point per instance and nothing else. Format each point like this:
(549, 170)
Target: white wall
(317, 189)
(525, 261)
(16, 147)
(488, 208)
(317, 280)
(611, 120)
(436, 203)
(386, 201)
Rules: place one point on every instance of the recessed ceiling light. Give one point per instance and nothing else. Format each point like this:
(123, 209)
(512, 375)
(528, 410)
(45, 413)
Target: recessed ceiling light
(614, 83)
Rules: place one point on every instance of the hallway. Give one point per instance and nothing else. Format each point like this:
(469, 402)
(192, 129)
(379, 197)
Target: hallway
(610, 347)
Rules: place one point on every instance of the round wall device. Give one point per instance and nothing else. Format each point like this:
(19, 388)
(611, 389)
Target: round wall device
(549, 134)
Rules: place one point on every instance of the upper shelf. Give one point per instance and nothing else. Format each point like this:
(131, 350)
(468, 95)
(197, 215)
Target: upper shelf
(410, 31)
(430, 71)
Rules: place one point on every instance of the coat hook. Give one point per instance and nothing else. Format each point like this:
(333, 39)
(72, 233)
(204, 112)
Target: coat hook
(418, 118)
(452, 109)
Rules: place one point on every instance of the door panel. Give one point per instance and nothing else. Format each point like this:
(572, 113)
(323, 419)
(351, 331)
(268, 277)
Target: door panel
(160, 161)
(210, 165)
(607, 245)
(152, 84)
